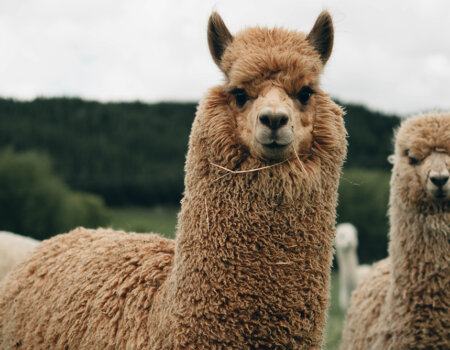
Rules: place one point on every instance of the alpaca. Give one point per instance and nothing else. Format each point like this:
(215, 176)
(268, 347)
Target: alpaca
(250, 265)
(404, 302)
(13, 249)
(350, 273)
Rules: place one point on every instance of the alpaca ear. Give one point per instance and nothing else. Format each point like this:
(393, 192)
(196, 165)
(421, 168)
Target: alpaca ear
(321, 36)
(219, 37)
(391, 159)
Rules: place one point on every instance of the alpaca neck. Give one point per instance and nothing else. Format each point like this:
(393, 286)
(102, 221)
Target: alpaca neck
(420, 258)
(251, 256)
(348, 265)
(419, 245)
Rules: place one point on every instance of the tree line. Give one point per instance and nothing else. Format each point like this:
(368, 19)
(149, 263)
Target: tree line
(132, 153)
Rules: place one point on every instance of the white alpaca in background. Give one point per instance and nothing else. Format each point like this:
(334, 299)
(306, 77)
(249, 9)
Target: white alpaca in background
(13, 249)
(350, 273)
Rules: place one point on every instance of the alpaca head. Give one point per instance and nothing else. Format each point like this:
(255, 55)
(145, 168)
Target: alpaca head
(420, 178)
(272, 83)
(346, 237)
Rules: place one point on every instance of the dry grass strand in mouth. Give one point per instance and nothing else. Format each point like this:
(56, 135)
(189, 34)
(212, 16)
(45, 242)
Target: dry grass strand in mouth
(299, 160)
(259, 169)
(244, 171)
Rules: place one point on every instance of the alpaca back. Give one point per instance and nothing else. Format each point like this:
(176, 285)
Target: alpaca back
(99, 280)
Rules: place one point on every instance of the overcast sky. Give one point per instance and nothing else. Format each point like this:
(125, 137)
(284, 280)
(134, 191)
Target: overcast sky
(393, 56)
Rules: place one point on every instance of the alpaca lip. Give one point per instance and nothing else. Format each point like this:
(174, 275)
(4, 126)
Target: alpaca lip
(440, 194)
(274, 145)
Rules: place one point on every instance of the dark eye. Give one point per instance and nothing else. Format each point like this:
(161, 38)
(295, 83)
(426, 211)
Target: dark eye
(411, 159)
(240, 95)
(304, 94)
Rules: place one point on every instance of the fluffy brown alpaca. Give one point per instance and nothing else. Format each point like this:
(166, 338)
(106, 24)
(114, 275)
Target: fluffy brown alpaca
(404, 302)
(251, 262)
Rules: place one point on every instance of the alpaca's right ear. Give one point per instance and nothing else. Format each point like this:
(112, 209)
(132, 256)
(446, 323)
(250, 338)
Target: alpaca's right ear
(321, 36)
(219, 37)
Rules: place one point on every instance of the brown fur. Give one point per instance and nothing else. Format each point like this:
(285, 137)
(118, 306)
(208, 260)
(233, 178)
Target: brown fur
(404, 302)
(253, 249)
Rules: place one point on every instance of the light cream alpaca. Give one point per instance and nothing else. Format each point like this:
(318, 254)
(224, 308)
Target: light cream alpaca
(13, 250)
(404, 302)
(350, 272)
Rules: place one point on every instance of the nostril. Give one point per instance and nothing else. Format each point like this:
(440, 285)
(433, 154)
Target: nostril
(274, 121)
(439, 181)
(265, 120)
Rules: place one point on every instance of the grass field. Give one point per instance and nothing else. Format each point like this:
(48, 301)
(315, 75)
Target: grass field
(162, 220)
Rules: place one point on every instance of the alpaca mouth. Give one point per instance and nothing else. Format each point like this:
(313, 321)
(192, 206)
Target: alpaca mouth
(440, 194)
(275, 145)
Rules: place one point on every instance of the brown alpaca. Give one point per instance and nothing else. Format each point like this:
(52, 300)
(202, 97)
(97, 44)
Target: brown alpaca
(250, 265)
(404, 302)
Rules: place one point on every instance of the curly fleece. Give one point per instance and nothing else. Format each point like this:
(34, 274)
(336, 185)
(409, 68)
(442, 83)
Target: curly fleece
(404, 302)
(251, 263)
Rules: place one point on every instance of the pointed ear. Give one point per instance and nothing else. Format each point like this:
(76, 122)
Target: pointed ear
(218, 37)
(321, 36)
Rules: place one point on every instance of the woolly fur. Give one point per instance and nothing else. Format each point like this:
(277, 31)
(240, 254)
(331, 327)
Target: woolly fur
(404, 302)
(250, 265)
(13, 250)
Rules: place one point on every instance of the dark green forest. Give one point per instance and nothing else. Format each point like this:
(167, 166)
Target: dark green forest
(133, 153)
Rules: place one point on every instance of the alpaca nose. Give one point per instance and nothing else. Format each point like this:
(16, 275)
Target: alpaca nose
(273, 120)
(439, 180)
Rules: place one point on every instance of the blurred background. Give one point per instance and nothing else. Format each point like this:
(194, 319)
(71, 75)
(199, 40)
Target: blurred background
(97, 99)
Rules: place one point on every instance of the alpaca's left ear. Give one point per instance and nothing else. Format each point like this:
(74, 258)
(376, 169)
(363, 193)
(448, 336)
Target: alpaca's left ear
(219, 37)
(391, 159)
(321, 36)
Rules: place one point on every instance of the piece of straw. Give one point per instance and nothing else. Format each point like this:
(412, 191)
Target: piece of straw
(244, 171)
(299, 161)
(207, 217)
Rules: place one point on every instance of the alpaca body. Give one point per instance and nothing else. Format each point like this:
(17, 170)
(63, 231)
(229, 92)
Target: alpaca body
(100, 300)
(403, 303)
(251, 262)
(350, 272)
(14, 249)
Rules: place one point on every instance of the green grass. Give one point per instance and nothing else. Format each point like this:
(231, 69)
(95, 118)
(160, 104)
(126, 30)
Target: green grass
(336, 317)
(162, 220)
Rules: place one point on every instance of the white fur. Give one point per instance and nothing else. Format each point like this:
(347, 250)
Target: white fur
(13, 249)
(350, 273)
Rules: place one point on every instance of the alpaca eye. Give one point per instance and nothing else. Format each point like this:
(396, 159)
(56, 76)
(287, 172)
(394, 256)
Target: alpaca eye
(411, 159)
(240, 96)
(304, 94)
